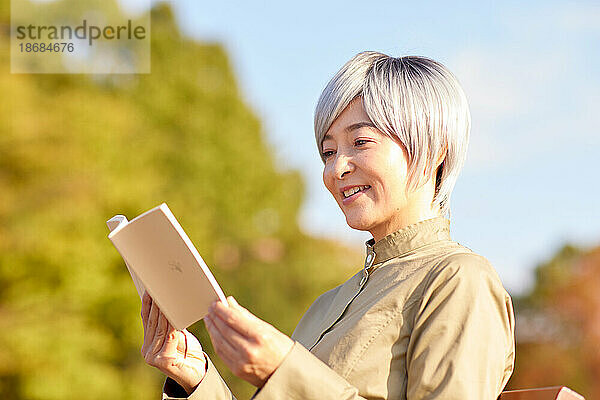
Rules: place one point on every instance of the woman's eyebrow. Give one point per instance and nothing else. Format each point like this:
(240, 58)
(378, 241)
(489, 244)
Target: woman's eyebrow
(353, 127)
(359, 125)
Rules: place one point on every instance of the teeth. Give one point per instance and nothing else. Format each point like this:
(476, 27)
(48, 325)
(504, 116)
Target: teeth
(351, 191)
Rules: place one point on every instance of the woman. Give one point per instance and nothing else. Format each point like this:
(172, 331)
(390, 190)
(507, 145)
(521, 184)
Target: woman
(426, 318)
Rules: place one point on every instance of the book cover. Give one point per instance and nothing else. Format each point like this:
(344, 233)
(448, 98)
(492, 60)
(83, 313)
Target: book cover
(163, 261)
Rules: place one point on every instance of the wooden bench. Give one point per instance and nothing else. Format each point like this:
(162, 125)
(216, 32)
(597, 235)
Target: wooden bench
(549, 393)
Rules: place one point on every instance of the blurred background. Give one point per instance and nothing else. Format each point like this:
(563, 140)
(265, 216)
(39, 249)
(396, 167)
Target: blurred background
(221, 130)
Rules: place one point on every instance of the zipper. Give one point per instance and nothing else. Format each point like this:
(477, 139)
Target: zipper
(368, 264)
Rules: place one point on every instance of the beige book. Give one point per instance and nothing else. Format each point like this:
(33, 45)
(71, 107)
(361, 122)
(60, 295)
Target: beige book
(163, 261)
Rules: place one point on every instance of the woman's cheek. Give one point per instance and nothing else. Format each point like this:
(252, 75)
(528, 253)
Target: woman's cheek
(328, 180)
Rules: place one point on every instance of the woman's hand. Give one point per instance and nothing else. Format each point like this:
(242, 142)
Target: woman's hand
(251, 348)
(177, 354)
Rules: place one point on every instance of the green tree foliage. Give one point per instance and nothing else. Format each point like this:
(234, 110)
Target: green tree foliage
(74, 151)
(558, 324)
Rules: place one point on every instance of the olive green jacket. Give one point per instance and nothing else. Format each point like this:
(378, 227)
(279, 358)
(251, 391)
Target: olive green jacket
(426, 319)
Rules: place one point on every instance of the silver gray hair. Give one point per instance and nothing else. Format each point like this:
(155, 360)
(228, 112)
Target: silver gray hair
(416, 101)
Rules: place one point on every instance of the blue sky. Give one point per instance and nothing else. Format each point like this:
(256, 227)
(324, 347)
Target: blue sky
(530, 71)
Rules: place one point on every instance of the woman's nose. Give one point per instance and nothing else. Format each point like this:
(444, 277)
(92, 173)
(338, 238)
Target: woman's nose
(343, 166)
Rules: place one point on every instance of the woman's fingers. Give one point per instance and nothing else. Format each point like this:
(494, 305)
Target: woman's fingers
(234, 304)
(233, 337)
(150, 328)
(161, 333)
(182, 345)
(175, 353)
(146, 303)
(171, 340)
(233, 317)
(232, 301)
(219, 341)
(250, 347)
(224, 349)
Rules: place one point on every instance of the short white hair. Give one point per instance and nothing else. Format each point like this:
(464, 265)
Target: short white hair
(416, 101)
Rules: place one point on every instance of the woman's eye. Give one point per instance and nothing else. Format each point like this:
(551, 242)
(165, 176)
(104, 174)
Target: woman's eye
(327, 153)
(360, 142)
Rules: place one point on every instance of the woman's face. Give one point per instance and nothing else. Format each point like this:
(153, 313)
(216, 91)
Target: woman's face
(366, 172)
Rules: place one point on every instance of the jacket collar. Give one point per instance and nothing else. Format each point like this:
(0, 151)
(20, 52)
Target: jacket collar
(407, 239)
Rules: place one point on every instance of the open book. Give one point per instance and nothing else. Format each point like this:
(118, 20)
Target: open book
(163, 261)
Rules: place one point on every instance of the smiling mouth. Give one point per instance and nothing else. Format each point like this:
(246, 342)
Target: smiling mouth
(354, 190)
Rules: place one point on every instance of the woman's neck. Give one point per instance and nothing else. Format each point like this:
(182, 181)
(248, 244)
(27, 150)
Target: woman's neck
(402, 221)
(419, 208)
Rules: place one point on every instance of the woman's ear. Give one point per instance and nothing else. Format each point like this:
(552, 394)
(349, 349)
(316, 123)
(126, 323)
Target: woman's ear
(439, 168)
(437, 164)
(441, 156)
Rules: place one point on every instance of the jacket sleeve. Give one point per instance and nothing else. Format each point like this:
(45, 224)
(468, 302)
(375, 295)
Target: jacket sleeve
(302, 376)
(212, 387)
(462, 341)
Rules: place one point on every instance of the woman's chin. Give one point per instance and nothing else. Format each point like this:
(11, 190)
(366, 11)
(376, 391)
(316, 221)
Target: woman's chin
(358, 224)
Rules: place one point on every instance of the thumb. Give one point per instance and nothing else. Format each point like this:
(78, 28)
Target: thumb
(233, 302)
(170, 344)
